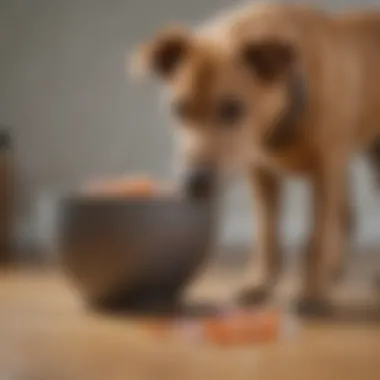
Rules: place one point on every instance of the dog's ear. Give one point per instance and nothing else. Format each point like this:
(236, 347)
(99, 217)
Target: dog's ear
(269, 59)
(163, 54)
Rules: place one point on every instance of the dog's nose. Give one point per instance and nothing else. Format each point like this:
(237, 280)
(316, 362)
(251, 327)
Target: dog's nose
(200, 182)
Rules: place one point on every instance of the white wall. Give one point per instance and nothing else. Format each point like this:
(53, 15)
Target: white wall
(73, 113)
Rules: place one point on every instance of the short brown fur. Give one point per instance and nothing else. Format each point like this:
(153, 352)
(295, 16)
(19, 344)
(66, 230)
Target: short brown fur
(338, 59)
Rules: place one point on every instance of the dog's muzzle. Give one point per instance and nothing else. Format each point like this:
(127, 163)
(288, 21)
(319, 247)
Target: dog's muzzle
(200, 182)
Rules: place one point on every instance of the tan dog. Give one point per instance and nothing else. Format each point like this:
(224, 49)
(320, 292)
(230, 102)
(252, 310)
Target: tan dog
(277, 90)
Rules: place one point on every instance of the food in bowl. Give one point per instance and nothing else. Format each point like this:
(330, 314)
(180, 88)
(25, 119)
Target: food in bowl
(138, 186)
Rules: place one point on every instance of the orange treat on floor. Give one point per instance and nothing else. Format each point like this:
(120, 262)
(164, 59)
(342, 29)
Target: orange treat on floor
(242, 327)
(218, 332)
(237, 328)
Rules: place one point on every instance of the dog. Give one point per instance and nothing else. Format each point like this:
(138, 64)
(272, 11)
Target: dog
(275, 90)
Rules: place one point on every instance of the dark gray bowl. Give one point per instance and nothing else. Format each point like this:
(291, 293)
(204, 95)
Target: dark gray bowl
(133, 254)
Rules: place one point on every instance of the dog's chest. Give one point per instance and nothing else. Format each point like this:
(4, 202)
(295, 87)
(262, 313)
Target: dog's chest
(292, 160)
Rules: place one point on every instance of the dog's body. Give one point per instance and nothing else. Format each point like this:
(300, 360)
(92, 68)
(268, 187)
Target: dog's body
(308, 85)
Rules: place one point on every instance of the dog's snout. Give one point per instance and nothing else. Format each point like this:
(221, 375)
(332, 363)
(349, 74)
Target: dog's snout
(200, 182)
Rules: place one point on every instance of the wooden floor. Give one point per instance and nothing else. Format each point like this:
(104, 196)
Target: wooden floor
(45, 334)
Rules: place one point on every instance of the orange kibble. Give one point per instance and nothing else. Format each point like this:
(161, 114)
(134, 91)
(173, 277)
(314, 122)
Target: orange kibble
(224, 331)
(239, 328)
(134, 187)
(139, 187)
(217, 331)
(242, 327)
(245, 325)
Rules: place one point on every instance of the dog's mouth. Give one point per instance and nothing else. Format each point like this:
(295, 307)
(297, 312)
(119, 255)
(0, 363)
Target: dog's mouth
(201, 182)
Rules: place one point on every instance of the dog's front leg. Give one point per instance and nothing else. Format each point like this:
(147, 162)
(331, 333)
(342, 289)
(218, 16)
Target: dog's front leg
(329, 237)
(266, 266)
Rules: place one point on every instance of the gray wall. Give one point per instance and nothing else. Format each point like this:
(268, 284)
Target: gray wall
(74, 115)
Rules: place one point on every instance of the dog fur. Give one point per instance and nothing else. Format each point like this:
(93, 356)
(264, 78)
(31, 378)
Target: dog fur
(265, 55)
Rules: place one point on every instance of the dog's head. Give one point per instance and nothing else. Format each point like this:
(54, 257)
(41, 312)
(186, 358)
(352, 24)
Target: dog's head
(228, 97)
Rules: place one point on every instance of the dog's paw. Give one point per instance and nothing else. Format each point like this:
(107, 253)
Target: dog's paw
(257, 295)
(313, 307)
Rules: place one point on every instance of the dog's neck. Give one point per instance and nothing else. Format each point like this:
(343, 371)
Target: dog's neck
(284, 132)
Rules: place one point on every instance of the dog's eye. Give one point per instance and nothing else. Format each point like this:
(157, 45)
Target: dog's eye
(229, 111)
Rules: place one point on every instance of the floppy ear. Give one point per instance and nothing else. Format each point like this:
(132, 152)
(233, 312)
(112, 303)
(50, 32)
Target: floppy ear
(269, 59)
(163, 54)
